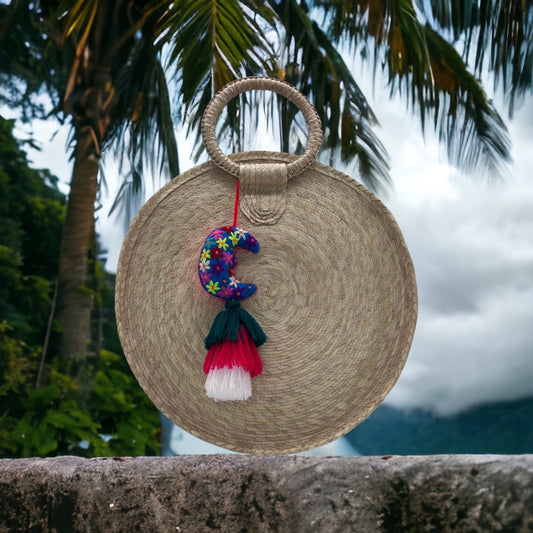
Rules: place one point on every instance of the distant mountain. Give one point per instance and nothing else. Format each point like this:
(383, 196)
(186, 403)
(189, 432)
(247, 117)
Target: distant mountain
(502, 428)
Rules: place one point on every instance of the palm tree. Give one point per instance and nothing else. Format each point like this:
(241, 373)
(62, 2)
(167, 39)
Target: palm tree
(116, 90)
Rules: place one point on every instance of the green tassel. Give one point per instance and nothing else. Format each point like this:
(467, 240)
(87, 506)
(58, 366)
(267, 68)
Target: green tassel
(253, 328)
(227, 323)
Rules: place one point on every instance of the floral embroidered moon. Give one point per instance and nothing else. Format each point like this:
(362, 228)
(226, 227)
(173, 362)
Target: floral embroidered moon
(217, 263)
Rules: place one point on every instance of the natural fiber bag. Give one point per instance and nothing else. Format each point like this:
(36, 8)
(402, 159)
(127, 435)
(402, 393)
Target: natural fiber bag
(336, 293)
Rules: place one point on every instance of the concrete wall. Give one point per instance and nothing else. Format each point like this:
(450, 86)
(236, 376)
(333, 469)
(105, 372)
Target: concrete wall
(233, 493)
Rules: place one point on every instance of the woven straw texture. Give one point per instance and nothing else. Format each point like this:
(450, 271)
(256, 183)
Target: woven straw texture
(336, 297)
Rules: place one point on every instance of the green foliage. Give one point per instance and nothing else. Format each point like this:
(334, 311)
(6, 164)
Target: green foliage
(32, 212)
(18, 364)
(24, 70)
(119, 419)
(124, 413)
(53, 423)
(114, 417)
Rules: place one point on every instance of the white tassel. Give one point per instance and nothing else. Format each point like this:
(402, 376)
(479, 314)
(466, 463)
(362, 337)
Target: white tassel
(228, 384)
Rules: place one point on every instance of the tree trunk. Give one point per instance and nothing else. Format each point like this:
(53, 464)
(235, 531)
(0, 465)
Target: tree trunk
(75, 298)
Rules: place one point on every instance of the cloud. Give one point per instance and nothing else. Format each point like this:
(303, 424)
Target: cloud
(472, 246)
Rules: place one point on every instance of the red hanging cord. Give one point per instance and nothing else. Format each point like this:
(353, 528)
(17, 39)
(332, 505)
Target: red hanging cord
(236, 210)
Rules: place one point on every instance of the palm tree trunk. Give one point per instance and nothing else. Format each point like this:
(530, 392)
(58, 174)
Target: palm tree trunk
(75, 298)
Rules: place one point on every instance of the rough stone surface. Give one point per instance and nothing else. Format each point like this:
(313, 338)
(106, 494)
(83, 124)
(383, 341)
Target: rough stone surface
(232, 493)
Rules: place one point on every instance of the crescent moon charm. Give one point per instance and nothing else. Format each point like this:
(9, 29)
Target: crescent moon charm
(217, 263)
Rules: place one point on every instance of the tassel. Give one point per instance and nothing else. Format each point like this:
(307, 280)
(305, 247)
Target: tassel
(232, 358)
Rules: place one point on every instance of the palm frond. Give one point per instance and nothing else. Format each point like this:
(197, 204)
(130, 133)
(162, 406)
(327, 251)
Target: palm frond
(474, 133)
(130, 197)
(312, 63)
(499, 33)
(143, 137)
(426, 68)
(145, 132)
(357, 20)
(78, 24)
(213, 42)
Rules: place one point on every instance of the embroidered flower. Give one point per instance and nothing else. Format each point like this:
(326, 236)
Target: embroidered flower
(204, 265)
(217, 269)
(233, 281)
(240, 233)
(222, 243)
(206, 254)
(228, 258)
(217, 234)
(209, 243)
(204, 277)
(216, 253)
(233, 237)
(226, 292)
(213, 288)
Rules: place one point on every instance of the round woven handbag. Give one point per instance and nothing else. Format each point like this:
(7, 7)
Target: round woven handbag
(336, 292)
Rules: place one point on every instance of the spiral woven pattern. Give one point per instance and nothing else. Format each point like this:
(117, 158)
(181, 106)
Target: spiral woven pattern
(336, 297)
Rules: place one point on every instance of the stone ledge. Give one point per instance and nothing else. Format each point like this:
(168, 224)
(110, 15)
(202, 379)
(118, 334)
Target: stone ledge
(232, 493)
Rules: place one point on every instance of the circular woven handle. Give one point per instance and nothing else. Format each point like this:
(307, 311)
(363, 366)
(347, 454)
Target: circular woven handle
(229, 91)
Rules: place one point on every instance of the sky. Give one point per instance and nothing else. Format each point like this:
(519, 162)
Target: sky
(471, 241)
